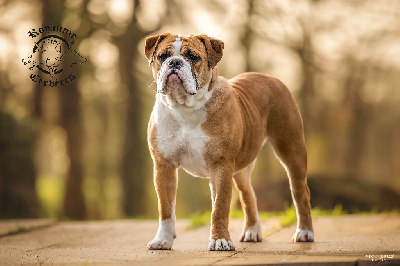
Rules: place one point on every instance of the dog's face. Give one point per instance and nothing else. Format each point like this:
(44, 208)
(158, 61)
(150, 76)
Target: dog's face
(182, 65)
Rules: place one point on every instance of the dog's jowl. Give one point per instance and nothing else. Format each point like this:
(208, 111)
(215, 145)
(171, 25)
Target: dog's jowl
(214, 127)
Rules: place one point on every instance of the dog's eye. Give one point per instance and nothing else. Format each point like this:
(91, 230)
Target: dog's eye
(163, 56)
(192, 57)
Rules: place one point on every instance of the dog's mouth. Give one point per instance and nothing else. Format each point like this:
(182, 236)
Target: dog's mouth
(173, 79)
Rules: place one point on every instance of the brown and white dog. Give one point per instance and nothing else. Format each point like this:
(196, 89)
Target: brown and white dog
(215, 128)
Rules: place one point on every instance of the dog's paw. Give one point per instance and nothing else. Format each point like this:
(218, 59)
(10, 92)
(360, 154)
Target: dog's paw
(303, 236)
(220, 245)
(251, 234)
(159, 243)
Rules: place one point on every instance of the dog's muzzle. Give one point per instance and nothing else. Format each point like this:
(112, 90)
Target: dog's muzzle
(175, 72)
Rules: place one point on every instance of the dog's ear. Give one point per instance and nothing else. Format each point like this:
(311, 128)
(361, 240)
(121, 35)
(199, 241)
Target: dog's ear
(151, 44)
(214, 49)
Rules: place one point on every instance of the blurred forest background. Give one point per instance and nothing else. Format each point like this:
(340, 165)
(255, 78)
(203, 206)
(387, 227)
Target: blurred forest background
(79, 151)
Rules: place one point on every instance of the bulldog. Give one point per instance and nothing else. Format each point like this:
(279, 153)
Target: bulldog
(214, 128)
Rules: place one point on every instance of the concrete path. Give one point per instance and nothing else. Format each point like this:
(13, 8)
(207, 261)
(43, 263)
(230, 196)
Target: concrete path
(348, 240)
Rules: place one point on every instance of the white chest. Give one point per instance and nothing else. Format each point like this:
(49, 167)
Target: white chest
(180, 137)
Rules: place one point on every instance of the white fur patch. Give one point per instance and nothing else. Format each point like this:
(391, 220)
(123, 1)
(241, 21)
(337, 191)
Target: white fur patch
(251, 233)
(177, 46)
(303, 236)
(179, 135)
(165, 233)
(220, 245)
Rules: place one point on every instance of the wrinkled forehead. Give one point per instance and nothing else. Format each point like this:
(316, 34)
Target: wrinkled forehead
(193, 42)
(182, 42)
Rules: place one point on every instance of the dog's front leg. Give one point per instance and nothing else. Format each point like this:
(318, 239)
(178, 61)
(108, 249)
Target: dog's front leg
(221, 194)
(166, 183)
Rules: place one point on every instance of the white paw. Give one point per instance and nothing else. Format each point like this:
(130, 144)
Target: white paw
(165, 235)
(303, 236)
(158, 243)
(220, 245)
(251, 234)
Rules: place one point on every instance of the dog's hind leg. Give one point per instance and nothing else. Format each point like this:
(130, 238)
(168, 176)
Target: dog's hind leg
(251, 228)
(290, 148)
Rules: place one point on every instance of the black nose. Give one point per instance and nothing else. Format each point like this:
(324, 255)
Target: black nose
(175, 64)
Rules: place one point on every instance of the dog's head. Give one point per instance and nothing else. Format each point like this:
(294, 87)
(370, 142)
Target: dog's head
(182, 65)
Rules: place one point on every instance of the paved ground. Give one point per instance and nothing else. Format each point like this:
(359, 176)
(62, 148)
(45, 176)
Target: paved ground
(349, 240)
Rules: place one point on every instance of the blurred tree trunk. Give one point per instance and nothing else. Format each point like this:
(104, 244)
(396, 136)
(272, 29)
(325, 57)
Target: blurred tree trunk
(37, 98)
(51, 15)
(133, 170)
(18, 197)
(134, 149)
(359, 116)
(70, 120)
(247, 36)
(306, 94)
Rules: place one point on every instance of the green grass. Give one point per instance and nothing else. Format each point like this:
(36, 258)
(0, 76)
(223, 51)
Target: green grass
(286, 218)
(375, 211)
(199, 219)
(289, 217)
(51, 189)
(337, 211)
